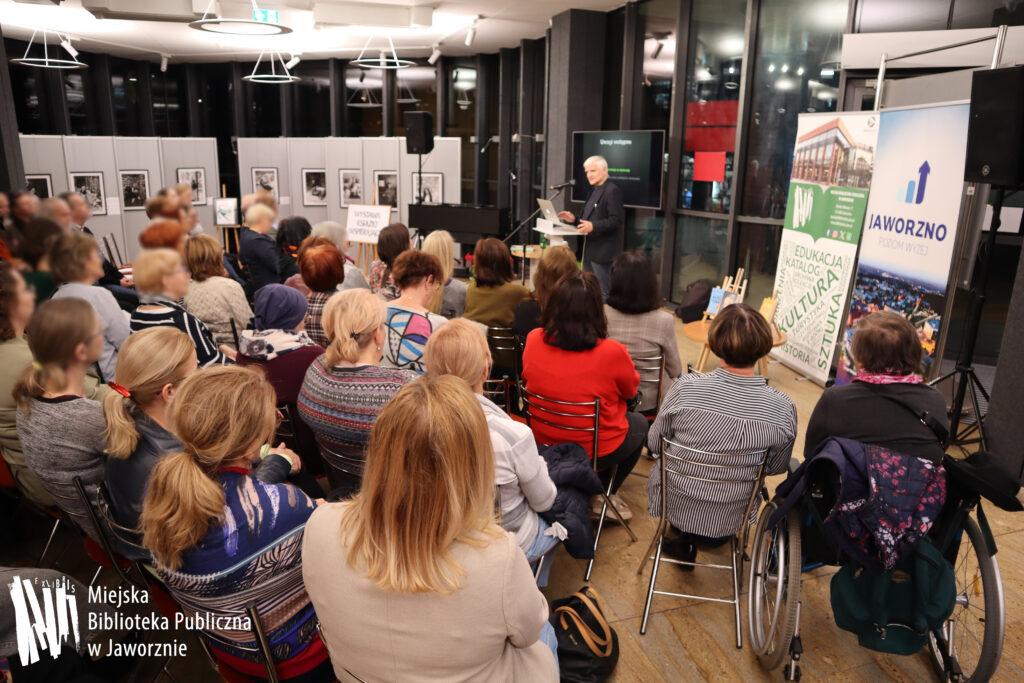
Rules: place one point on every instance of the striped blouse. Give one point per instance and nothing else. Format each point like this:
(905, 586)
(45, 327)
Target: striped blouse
(723, 413)
(169, 313)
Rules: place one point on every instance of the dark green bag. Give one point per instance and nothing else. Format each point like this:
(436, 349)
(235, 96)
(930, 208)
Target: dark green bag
(895, 611)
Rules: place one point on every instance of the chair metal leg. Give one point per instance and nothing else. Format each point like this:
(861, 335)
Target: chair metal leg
(736, 571)
(597, 535)
(49, 542)
(650, 588)
(540, 567)
(658, 533)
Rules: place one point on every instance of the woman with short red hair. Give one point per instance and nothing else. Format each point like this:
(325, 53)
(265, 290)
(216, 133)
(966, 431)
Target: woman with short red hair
(323, 269)
(163, 233)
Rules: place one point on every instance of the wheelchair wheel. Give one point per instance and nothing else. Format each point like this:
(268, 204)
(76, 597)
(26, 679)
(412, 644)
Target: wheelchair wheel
(969, 645)
(774, 587)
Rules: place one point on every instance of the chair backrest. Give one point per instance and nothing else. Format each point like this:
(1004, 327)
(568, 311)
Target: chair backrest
(261, 640)
(287, 429)
(651, 370)
(117, 562)
(340, 468)
(709, 467)
(506, 351)
(499, 391)
(234, 332)
(549, 411)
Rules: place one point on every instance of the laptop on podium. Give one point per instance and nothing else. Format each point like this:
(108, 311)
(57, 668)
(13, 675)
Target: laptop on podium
(547, 209)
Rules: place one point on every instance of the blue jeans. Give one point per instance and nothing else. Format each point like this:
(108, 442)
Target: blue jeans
(603, 272)
(548, 637)
(542, 544)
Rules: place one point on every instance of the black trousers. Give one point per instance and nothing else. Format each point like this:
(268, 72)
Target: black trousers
(626, 455)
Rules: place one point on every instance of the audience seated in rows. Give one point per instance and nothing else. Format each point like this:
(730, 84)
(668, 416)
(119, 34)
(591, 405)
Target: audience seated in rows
(636, 319)
(256, 251)
(521, 474)
(392, 241)
(185, 196)
(887, 353)
(554, 263)
(24, 207)
(113, 279)
(220, 537)
(413, 579)
(17, 304)
(345, 389)
(290, 234)
(492, 296)
(34, 252)
(212, 296)
(75, 263)
(138, 433)
(450, 300)
(323, 270)
(164, 233)
(61, 430)
(729, 411)
(162, 279)
(572, 359)
(409, 320)
(338, 235)
(56, 209)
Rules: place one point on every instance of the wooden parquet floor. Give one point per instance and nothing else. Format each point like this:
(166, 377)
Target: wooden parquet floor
(688, 640)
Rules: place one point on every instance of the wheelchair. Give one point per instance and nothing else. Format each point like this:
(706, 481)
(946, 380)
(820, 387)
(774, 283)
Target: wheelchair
(965, 649)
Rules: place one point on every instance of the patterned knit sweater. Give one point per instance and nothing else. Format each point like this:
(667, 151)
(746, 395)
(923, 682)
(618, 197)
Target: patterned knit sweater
(341, 404)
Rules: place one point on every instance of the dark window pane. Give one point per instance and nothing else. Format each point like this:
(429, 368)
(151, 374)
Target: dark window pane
(78, 92)
(757, 253)
(312, 97)
(264, 109)
(879, 16)
(712, 104)
(30, 101)
(985, 13)
(660, 18)
(699, 252)
(124, 80)
(796, 70)
(644, 230)
(364, 88)
(416, 91)
(462, 96)
(169, 114)
(215, 100)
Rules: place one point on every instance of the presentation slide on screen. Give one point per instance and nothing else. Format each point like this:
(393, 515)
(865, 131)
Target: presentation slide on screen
(634, 163)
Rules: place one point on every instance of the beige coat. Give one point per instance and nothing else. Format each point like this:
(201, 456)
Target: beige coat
(486, 631)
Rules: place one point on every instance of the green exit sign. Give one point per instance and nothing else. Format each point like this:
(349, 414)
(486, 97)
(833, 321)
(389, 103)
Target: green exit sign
(266, 16)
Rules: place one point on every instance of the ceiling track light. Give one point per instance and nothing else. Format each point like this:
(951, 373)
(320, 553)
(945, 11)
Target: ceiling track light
(294, 61)
(275, 77)
(384, 61)
(435, 55)
(471, 33)
(46, 61)
(239, 26)
(163, 63)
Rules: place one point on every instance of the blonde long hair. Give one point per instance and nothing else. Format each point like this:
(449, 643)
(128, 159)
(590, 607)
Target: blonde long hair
(218, 413)
(147, 362)
(350, 319)
(56, 330)
(429, 482)
(440, 244)
(458, 348)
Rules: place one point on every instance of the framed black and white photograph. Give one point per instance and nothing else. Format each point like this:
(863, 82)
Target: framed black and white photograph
(39, 184)
(385, 188)
(351, 182)
(314, 187)
(265, 179)
(134, 189)
(225, 211)
(90, 186)
(196, 179)
(433, 188)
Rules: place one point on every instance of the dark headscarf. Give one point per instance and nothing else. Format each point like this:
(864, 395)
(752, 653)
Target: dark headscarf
(279, 308)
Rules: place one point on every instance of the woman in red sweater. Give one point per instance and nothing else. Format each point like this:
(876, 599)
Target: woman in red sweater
(570, 358)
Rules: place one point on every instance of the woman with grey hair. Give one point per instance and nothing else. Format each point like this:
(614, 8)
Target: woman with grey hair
(336, 232)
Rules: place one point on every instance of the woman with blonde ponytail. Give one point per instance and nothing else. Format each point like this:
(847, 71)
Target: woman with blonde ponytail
(221, 538)
(345, 388)
(449, 300)
(62, 431)
(413, 579)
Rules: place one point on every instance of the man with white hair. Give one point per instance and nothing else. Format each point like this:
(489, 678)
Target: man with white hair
(57, 210)
(601, 221)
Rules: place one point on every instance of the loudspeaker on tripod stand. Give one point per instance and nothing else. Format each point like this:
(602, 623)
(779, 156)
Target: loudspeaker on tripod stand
(995, 135)
(419, 132)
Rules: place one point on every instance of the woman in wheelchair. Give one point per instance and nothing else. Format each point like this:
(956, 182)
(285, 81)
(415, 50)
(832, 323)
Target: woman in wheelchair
(728, 411)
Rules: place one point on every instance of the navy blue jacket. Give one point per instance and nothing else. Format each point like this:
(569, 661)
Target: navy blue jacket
(574, 476)
(257, 253)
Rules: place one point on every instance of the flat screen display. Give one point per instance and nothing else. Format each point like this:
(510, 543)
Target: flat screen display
(635, 163)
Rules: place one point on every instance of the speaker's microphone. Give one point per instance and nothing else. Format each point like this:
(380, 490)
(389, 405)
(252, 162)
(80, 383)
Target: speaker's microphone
(567, 183)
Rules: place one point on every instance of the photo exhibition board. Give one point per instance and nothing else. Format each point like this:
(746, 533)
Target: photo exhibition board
(271, 154)
(61, 156)
(304, 154)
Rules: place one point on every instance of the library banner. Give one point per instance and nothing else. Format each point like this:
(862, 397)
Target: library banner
(828, 197)
(910, 231)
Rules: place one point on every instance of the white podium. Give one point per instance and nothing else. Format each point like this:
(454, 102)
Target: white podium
(556, 232)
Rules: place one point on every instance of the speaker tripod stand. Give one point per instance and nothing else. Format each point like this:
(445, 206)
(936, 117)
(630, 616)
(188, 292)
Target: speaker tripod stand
(965, 380)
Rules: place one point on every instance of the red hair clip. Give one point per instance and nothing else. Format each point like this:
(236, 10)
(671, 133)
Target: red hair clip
(119, 389)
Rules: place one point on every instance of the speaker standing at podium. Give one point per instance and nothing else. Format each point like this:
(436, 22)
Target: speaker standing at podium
(601, 221)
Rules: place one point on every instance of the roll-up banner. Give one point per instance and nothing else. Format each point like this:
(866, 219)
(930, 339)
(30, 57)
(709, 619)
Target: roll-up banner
(910, 231)
(828, 196)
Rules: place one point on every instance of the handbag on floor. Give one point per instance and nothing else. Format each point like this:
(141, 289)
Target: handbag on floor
(588, 647)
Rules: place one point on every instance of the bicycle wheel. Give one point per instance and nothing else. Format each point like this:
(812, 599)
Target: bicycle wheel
(773, 587)
(971, 640)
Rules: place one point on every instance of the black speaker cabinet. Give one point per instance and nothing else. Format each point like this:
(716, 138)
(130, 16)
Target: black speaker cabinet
(995, 136)
(419, 132)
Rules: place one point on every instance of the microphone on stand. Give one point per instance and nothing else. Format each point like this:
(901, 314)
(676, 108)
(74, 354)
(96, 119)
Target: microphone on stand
(568, 183)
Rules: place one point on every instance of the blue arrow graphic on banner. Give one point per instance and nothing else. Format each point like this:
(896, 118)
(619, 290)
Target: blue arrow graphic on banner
(924, 171)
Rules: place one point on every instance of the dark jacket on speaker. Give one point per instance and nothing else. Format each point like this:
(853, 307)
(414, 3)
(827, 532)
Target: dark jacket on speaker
(604, 209)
